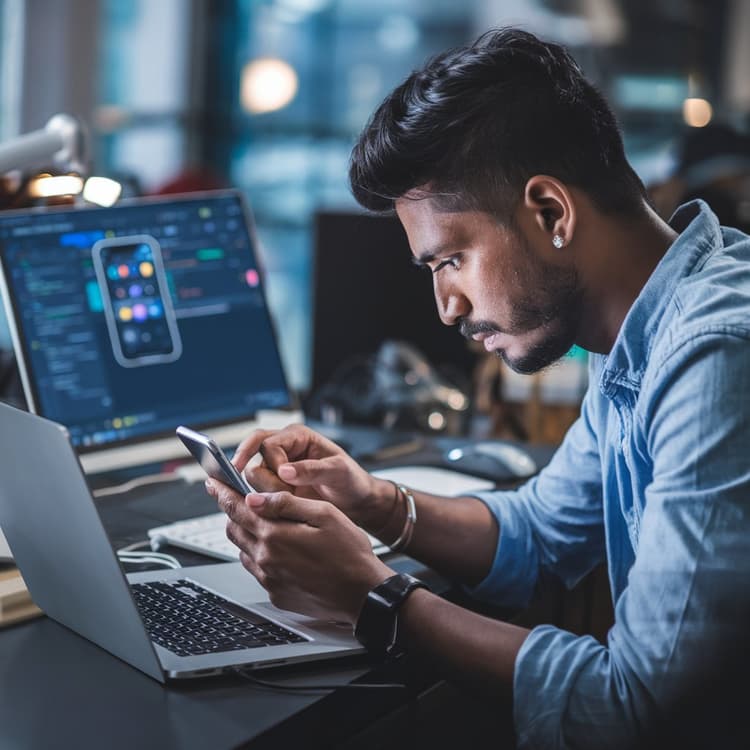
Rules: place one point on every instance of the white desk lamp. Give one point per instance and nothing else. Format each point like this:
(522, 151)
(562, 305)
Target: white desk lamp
(61, 142)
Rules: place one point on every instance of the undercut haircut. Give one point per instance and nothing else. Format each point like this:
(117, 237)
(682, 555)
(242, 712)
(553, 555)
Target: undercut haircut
(475, 123)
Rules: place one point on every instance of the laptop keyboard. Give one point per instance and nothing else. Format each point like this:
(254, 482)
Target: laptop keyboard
(188, 620)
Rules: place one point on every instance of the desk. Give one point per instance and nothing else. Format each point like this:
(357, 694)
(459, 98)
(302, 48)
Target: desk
(59, 690)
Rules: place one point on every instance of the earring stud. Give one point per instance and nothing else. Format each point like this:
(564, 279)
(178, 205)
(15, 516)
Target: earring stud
(558, 241)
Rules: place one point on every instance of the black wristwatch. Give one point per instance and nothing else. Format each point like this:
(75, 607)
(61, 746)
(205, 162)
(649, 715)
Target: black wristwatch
(377, 625)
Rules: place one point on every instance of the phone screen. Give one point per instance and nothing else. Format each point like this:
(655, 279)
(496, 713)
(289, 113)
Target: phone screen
(140, 316)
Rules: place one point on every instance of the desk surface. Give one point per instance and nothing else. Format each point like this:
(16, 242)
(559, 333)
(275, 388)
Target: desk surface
(59, 690)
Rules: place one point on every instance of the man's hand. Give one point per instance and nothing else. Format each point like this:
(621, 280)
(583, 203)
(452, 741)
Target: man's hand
(311, 466)
(458, 538)
(307, 554)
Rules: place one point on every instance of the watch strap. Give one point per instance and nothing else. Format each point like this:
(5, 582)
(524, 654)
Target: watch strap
(376, 627)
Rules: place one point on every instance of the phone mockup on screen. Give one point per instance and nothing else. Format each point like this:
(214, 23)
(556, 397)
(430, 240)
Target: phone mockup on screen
(137, 303)
(213, 460)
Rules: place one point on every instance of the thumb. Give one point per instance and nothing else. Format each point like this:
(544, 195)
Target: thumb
(287, 507)
(311, 471)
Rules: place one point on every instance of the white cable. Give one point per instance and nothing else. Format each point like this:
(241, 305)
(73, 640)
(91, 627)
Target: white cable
(158, 558)
(150, 560)
(136, 546)
(137, 482)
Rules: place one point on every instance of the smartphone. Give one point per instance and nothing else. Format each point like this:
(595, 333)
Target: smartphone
(213, 460)
(137, 304)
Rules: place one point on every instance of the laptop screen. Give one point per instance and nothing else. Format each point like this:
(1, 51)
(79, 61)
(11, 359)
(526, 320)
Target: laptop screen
(132, 319)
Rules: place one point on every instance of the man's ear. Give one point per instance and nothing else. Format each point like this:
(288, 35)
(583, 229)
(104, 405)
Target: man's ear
(553, 208)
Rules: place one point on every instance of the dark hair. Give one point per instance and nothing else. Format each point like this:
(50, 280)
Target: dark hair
(477, 122)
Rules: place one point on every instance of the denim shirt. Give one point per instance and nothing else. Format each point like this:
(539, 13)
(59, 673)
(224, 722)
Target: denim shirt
(654, 479)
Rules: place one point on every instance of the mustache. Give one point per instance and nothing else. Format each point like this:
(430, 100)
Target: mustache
(525, 318)
(468, 328)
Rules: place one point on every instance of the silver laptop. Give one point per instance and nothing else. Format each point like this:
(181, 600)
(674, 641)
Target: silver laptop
(127, 321)
(73, 574)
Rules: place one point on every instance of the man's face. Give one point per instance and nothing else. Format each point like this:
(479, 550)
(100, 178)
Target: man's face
(489, 280)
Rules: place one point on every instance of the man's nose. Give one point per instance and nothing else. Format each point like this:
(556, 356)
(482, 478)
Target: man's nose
(451, 305)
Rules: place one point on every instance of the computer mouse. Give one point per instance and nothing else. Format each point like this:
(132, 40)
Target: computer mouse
(495, 459)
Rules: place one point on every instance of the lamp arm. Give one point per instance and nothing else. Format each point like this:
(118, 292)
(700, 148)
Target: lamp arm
(62, 140)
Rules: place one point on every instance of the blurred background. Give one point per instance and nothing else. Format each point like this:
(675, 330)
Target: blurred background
(269, 95)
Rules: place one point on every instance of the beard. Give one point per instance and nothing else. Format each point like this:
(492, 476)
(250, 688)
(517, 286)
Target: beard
(542, 355)
(555, 307)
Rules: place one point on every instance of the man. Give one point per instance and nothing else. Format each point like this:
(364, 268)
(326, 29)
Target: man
(507, 171)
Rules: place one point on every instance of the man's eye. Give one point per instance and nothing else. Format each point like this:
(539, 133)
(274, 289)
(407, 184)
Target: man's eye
(452, 262)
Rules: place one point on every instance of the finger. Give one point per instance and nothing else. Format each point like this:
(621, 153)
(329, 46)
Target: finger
(249, 447)
(246, 517)
(233, 504)
(262, 479)
(224, 495)
(239, 536)
(296, 441)
(288, 507)
(249, 564)
(274, 452)
(309, 471)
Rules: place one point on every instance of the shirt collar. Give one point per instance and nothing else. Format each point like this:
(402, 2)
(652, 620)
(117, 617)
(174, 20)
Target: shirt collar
(699, 234)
